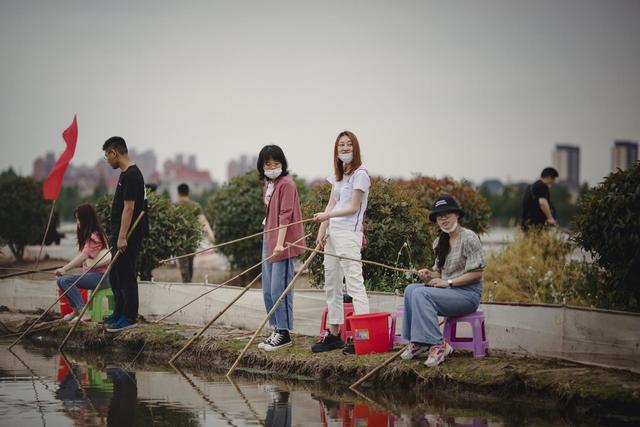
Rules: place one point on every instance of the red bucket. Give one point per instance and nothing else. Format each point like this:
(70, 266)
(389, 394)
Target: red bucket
(371, 332)
(65, 307)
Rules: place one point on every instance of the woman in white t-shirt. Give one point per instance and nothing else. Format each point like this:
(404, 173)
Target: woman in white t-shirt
(341, 233)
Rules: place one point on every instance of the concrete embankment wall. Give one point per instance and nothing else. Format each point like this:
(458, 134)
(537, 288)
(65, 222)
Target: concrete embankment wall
(598, 337)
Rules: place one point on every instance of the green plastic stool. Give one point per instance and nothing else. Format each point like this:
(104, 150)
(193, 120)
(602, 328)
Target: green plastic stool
(97, 308)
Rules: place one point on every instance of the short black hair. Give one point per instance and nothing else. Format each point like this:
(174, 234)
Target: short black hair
(183, 189)
(115, 143)
(271, 152)
(549, 172)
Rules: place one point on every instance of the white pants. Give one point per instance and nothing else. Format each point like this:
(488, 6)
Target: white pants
(345, 243)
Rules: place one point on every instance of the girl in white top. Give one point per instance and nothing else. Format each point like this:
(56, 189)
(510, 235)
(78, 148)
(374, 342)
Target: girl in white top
(341, 233)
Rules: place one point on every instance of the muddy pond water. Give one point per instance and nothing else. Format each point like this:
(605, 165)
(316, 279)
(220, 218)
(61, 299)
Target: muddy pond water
(41, 387)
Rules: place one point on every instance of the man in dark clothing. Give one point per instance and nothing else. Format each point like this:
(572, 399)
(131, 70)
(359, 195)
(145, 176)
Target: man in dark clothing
(186, 263)
(128, 201)
(537, 209)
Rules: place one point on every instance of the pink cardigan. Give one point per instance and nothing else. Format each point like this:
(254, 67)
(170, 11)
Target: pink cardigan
(284, 208)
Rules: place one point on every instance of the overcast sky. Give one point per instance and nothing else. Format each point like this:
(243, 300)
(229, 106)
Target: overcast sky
(474, 89)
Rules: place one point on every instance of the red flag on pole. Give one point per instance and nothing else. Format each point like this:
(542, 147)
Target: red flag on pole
(53, 184)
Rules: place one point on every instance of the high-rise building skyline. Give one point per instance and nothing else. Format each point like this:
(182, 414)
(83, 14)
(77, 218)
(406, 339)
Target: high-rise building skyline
(623, 154)
(566, 159)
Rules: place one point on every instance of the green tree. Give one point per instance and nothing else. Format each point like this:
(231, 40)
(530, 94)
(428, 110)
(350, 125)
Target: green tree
(397, 230)
(607, 225)
(236, 210)
(173, 230)
(24, 215)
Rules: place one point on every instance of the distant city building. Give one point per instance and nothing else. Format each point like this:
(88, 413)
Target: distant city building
(42, 166)
(176, 172)
(87, 178)
(241, 166)
(566, 159)
(623, 155)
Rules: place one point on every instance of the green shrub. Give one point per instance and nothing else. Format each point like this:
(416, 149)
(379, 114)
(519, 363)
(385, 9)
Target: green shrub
(23, 218)
(426, 189)
(607, 225)
(398, 233)
(236, 210)
(173, 230)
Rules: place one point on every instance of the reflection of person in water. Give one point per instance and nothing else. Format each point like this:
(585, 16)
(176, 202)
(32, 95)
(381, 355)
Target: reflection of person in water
(86, 407)
(125, 395)
(279, 411)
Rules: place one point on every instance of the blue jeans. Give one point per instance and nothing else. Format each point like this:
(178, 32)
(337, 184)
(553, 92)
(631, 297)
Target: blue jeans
(275, 278)
(423, 305)
(89, 281)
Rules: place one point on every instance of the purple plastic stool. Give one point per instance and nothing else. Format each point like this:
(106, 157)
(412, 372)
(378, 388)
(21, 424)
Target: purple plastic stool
(397, 339)
(477, 343)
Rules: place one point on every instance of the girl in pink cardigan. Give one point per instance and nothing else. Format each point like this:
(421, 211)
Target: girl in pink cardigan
(282, 207)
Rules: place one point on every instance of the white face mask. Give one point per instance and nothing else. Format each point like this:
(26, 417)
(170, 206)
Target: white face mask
(272, 173)
(450, 229)
(346, 157)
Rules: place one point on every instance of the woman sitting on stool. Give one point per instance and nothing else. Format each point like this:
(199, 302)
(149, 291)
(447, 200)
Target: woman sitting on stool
(453, 289)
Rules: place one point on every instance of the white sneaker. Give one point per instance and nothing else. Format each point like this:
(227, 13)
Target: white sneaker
(267, 341)
(69, 316)
(85, 318)
(413, 350)
(437, 354)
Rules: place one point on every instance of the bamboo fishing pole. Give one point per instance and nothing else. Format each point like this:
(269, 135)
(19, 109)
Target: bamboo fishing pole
(215, 288)
(57, 300)
(275, 306)
(95, 291)
(22, 272)
(382, 365)
(46, 231)
(219, 245)
(363, 261)
(220, 313)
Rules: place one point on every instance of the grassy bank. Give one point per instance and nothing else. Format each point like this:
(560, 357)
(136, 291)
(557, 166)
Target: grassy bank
(577, 388)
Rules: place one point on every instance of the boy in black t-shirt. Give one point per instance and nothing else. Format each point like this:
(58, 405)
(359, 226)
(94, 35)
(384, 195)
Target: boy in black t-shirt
(128, 201)
(537, 209)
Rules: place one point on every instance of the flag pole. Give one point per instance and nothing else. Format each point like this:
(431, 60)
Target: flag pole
(44, 238)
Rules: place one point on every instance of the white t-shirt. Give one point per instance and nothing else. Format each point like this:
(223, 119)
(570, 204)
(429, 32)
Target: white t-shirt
(342, 191)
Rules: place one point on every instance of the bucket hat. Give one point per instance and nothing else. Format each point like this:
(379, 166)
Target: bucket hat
(442, 204)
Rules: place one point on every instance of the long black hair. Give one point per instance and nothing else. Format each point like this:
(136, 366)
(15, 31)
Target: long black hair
(442, 250)
(89, 224)
(271, 152)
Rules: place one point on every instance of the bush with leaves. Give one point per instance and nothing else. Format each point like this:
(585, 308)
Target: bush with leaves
(237, 210)
(173, 230)
(23, 218)
(397, 230)
(426, 189)
(607, 225)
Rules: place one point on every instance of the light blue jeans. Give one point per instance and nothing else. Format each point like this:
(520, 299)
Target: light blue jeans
(275, 278)
(423, 304)
(89, 281)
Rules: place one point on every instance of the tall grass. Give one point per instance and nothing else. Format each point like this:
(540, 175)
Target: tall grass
(536, 268)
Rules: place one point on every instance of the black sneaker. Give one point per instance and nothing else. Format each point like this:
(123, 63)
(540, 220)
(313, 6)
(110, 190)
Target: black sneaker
(280, 340)
(349, 348)
(327, 343)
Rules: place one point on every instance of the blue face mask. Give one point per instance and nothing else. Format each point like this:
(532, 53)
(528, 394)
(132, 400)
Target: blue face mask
(273, 173)
(346, 157)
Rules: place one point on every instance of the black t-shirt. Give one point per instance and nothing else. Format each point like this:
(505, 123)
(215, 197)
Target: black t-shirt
(130, 187)
(531, 212)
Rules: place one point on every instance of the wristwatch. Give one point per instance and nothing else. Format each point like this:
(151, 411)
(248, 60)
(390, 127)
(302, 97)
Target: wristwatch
(450, 283)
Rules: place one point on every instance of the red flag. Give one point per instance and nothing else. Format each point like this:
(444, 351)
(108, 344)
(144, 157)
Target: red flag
(53, 184)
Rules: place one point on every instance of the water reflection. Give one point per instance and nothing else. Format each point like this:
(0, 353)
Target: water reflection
(55, 390)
